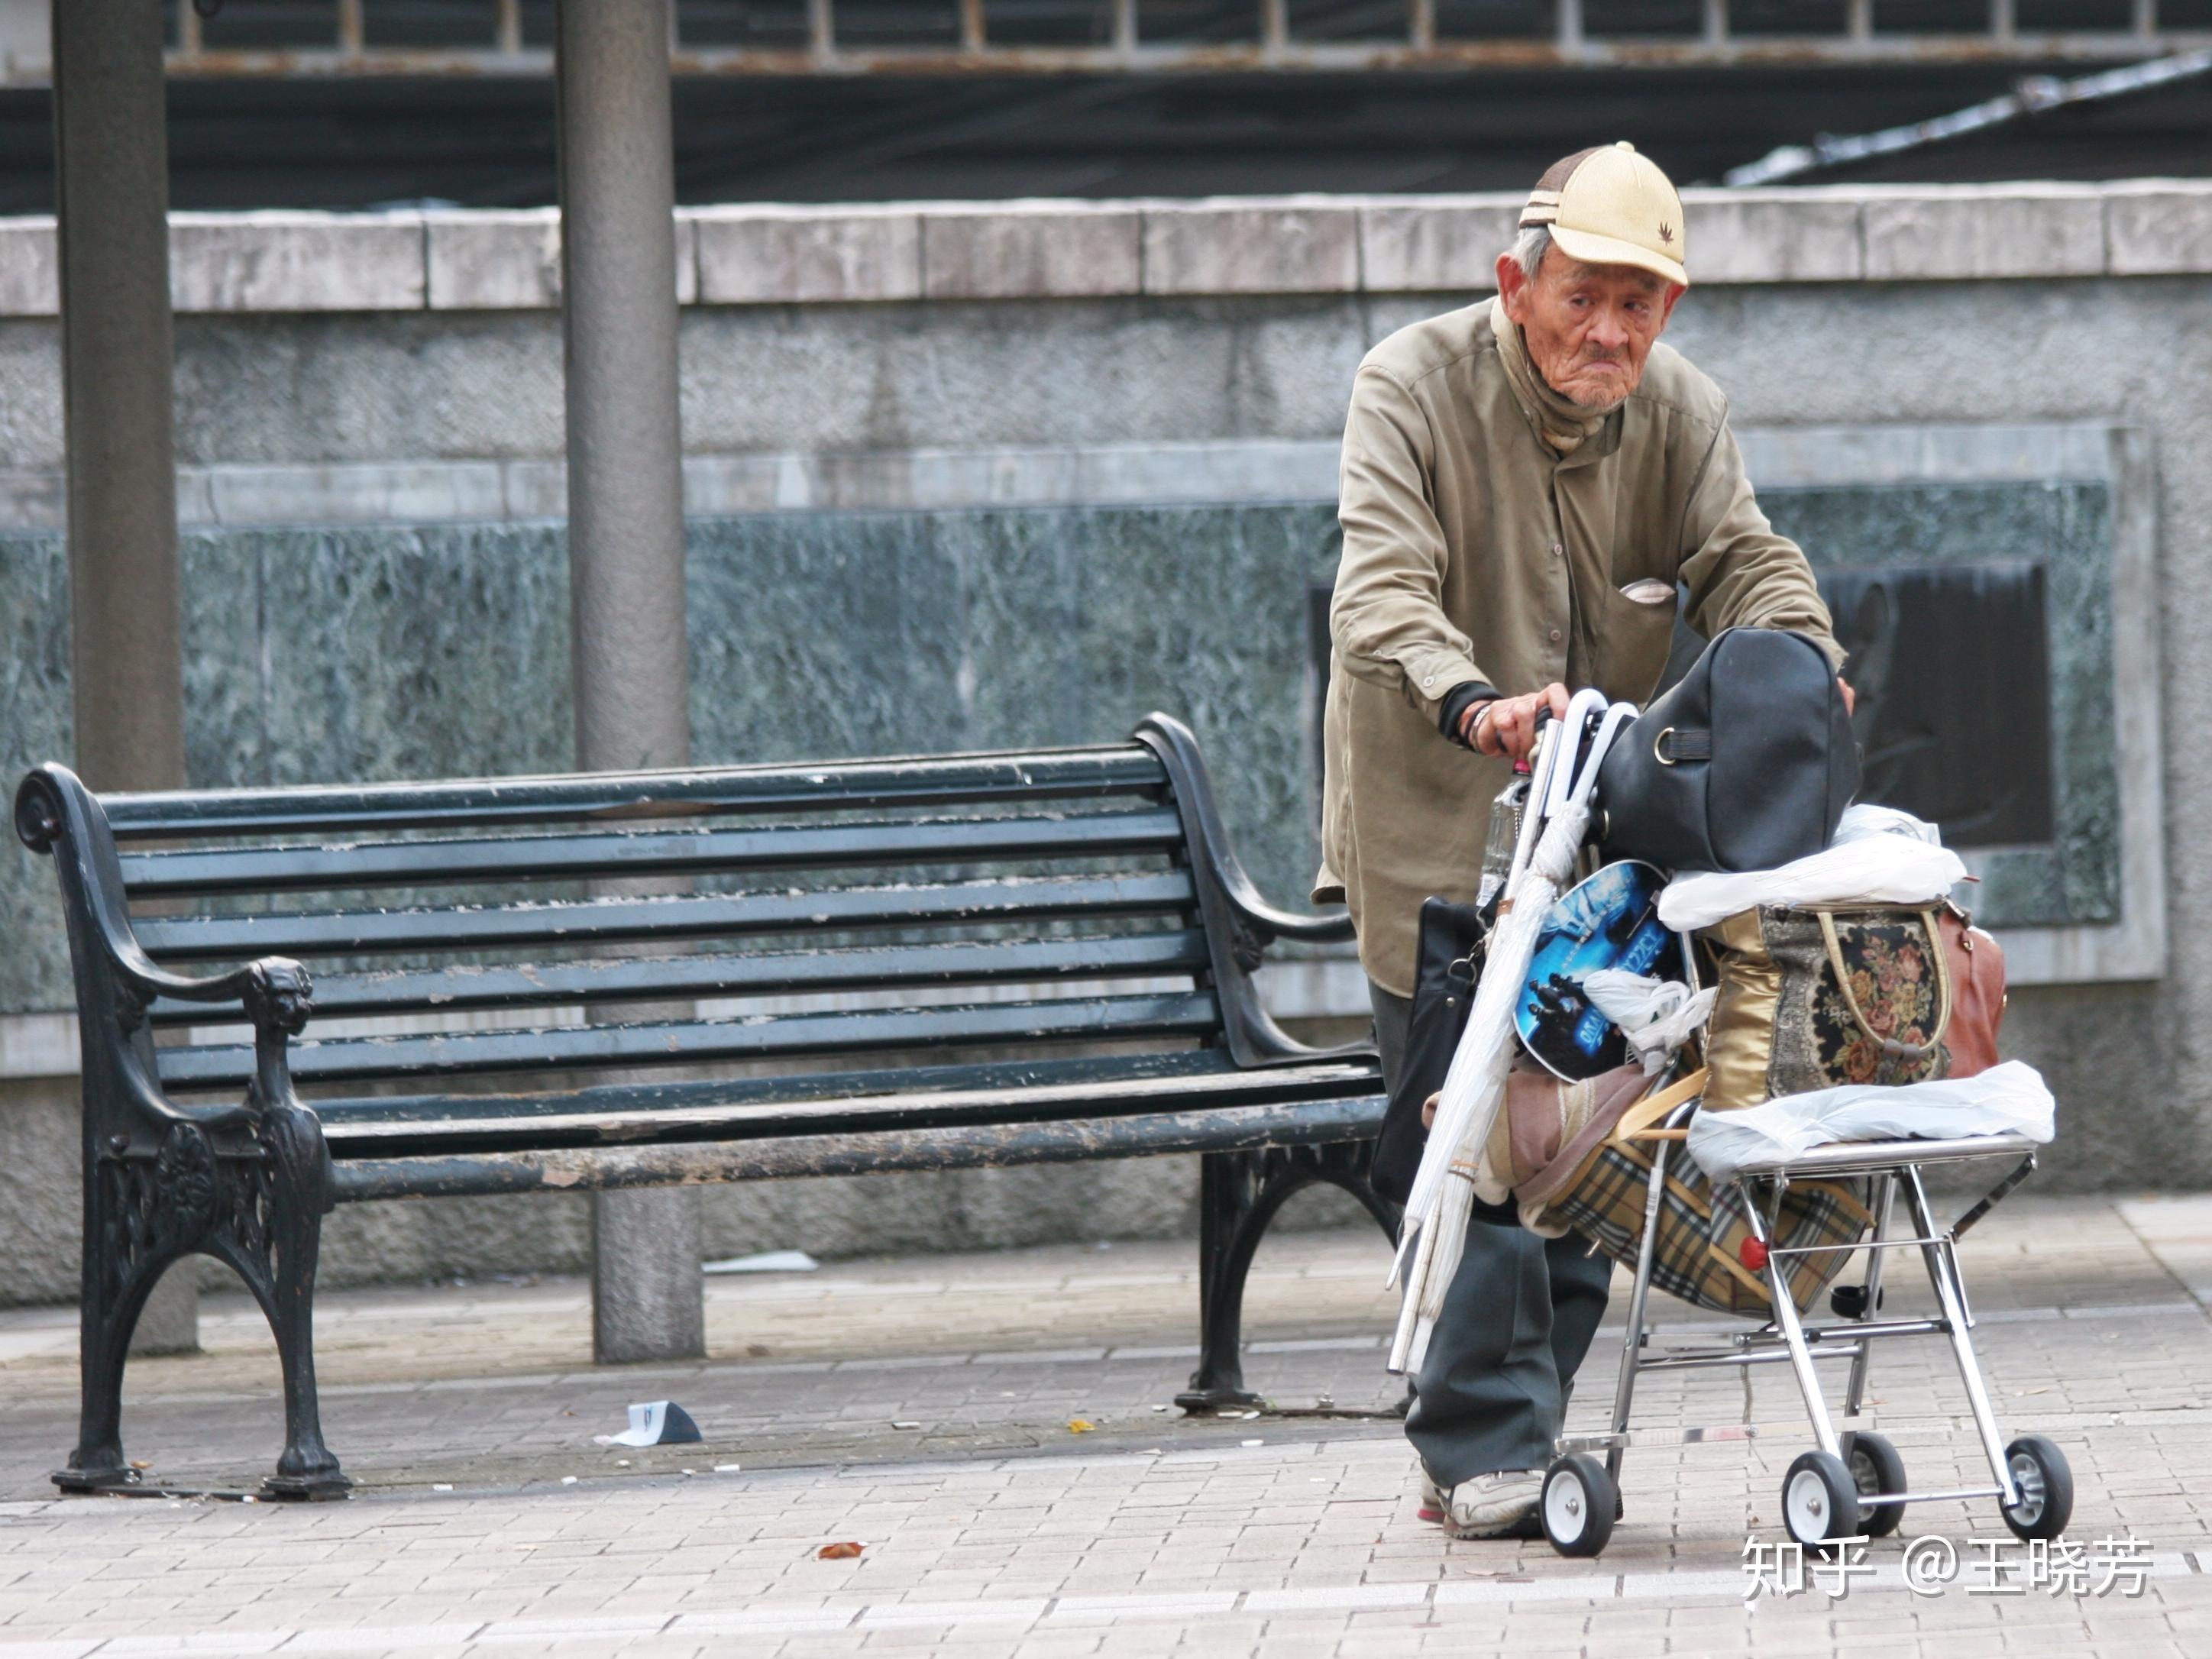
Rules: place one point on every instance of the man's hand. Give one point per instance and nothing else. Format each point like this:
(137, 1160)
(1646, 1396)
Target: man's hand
(1506, 727)
(1851, 697)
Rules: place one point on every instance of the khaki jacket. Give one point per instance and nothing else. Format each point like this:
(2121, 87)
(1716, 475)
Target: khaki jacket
(1472, 551)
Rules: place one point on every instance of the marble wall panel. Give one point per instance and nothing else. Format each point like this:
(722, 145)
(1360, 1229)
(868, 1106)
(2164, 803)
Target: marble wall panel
(814, 637)
(35, 726)
(414, 652)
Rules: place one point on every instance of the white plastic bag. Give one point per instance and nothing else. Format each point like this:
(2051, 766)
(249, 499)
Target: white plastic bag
(1861, 820)
(1655, 1016)
(2005, 1099)
(1884, 867)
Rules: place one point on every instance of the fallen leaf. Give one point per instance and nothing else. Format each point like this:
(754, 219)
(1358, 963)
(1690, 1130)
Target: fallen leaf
(140, 1463)
(838, 1551)
(1080, 1425)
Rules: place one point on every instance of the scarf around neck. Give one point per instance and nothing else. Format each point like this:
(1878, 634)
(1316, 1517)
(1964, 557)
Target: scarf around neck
(1564, 424)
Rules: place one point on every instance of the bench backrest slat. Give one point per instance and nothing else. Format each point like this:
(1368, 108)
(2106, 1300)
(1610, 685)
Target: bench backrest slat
(629, 854)
(912, 781)
(349, 933)
(691, 1042)
(604, 980)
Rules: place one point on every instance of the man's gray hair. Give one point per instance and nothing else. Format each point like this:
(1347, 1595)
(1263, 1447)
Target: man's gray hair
(1529, 248)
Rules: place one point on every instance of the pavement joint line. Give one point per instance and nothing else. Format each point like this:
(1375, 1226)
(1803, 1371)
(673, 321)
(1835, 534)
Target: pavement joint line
(2086, 1313)
(766, 1618)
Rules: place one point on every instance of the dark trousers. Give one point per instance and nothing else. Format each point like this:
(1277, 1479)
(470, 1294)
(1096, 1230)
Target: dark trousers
(1516, 1321)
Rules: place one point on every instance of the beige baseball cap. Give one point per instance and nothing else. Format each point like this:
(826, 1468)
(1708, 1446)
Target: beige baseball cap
(1610, 206)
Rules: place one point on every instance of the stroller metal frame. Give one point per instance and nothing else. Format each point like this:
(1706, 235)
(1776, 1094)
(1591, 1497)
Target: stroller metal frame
(2029, 1476)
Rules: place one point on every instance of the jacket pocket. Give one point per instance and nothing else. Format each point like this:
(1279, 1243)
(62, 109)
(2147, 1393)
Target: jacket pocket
(1639, 632)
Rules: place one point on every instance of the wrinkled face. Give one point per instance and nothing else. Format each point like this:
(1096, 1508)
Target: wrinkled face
(1590, 328)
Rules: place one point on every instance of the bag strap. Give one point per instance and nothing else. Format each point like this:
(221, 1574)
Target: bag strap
(1636, 1123)
(1890, 1048)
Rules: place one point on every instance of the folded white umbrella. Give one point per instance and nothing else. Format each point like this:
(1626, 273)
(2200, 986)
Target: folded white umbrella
(1438, 1208)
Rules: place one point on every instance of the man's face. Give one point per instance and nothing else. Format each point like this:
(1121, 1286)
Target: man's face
(1590, 328)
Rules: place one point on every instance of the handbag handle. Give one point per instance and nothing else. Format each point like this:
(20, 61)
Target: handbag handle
(1635, 1123)
(1890, 1048)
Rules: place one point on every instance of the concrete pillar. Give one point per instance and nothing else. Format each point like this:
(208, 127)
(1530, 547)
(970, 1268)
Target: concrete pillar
(112, 193)
(631, 656)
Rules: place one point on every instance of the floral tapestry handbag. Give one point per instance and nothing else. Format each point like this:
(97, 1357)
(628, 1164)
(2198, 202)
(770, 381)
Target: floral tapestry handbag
(1811, 998)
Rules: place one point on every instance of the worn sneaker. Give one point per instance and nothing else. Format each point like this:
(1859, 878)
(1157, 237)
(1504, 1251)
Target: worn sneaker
(1500, 1505)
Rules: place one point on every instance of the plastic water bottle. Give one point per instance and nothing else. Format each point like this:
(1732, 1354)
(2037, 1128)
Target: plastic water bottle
(1505, 814)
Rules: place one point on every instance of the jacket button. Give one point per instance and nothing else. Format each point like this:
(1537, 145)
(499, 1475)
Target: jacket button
(1558, 550)
(1555, 636)
(1431, 679)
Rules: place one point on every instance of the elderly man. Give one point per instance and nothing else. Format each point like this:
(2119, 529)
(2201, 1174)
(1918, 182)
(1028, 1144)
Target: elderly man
(1527, 483)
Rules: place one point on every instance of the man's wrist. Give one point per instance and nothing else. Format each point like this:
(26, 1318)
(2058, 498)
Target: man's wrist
(1452, 716)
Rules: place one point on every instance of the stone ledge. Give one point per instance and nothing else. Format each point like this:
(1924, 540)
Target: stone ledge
(1992, 231)
(807, 256)
(1301, 244)
(504, 260)
(296, 262)
(1021, 249)
(29, 270)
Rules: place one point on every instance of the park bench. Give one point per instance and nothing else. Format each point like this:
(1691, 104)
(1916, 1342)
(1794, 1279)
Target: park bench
(849, 966)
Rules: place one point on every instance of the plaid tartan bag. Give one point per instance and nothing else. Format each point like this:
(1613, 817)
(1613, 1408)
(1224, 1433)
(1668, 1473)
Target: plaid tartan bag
(1706, 1252)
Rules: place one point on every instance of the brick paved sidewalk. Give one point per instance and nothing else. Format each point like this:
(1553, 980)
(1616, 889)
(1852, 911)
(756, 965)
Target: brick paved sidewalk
(991, 1527)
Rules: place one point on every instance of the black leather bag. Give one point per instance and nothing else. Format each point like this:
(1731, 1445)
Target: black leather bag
(1747, 764)
(1448, 965)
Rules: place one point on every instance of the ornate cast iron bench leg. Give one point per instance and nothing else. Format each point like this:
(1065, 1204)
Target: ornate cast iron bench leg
(255, 1201)
(1238, 1195)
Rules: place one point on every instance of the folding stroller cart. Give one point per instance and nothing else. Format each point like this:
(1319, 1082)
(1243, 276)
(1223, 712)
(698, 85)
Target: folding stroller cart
(1853, 1482)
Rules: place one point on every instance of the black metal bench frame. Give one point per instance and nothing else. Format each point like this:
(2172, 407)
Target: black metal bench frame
(248, 1180)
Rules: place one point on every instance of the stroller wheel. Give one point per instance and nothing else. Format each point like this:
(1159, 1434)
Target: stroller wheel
(1579, 1506)
(2046, 1488)
(1875, 1468)
(1820, 1500)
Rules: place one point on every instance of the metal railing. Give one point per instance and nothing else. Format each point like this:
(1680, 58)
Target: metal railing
(857, 37)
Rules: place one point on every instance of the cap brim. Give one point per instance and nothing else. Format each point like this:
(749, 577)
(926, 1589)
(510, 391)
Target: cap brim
(1594, 250)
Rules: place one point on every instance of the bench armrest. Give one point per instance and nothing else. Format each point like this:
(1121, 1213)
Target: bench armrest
(1327, 928)
(1240, 924)
(1177, 748)
(56, 814)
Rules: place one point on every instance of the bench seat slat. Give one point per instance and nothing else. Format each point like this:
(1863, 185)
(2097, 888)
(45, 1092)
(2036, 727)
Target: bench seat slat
(491, 926)
(698, 1041)
(635, 979)
(644, 853)
(984, 1102)
(1301, 1123)
(656, 1094)
(908, 780)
